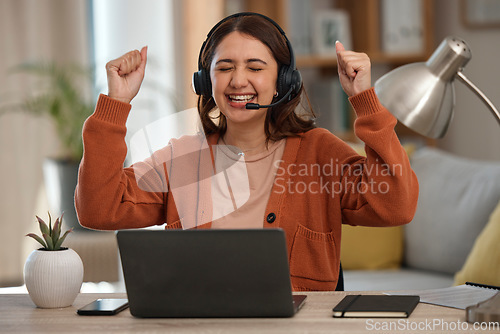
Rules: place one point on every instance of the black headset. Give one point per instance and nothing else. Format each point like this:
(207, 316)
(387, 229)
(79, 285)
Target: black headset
(289, 79)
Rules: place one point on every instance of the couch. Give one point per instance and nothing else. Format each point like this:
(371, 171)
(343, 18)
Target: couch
(454, 236)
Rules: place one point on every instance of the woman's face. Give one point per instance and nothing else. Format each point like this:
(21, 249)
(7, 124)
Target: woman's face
(243, 70)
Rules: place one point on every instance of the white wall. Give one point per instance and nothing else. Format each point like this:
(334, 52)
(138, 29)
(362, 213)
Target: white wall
(124, 25)
(30, 31)
(473, 132)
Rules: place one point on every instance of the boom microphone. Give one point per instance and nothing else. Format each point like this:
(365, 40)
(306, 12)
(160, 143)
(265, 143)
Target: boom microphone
(258, 106)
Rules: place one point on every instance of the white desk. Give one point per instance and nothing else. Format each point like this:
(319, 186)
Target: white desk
(18, 314)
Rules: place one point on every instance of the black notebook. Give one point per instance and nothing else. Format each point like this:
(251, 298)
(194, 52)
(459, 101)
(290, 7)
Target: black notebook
(375, 306)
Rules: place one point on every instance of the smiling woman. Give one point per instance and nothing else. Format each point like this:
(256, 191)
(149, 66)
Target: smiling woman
(242, 77)
(226, 177)
(243, 46)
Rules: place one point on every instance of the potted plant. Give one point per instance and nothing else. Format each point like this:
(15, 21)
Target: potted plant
(53, 274)
(59, 96)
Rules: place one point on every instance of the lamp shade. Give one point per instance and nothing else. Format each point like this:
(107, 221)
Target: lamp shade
(421, 95)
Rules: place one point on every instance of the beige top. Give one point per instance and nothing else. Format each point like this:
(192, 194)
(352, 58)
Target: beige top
(249, 211)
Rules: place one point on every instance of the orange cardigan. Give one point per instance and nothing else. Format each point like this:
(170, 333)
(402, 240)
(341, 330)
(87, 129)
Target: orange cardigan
(321, 183)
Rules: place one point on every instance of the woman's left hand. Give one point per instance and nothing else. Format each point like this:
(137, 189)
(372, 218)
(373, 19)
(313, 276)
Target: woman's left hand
(354, 70)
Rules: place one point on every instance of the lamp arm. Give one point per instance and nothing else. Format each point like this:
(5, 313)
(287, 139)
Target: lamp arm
(480, 94)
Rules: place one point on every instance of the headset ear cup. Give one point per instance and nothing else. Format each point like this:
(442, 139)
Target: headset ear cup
(207, 83)
(296, 82)
(201, 83)
(197, 83)
(288, 78)
(282, 86)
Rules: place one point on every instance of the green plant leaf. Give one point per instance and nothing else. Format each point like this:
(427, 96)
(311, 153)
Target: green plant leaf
(37, 238)
(48, 240)
(43, 227)
(60, 95)
(61, 240)
(56, 231)
(60, 223)
(50, 224)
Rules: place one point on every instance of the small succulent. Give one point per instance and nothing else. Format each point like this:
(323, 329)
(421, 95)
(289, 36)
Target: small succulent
(52, 239)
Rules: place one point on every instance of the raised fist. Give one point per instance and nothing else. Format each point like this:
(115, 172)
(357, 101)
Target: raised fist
(125, 75)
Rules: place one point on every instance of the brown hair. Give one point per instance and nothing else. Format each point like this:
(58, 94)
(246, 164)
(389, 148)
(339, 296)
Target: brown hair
(282, 120)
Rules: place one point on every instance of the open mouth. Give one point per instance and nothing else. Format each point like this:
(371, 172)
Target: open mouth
(240, 98)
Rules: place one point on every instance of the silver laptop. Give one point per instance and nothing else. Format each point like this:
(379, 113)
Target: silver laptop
(207, 273)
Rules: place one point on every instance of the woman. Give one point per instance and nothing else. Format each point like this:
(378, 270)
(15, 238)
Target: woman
(302, 179)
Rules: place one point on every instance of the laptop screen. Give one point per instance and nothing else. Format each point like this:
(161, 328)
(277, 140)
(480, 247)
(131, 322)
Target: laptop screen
(206, 273)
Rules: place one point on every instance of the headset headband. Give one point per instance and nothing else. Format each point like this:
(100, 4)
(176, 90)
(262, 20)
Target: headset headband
(288, 44)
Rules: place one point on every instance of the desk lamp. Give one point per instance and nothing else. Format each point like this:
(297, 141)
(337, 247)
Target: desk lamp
(421, 95)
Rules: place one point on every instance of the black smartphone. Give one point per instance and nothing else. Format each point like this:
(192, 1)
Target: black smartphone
(104, 306)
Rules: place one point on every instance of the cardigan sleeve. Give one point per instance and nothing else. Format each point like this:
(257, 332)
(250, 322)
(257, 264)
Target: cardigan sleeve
(381, 189)
(109, 196)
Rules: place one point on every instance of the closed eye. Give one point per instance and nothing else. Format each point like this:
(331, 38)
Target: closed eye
(224, 69)
(224, 65)
(256, 64)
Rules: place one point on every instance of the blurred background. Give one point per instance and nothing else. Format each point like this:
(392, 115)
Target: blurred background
(53, 35)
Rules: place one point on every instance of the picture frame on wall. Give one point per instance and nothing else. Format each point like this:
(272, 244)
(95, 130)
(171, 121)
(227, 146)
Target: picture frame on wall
(480, 13)
(328, 27)
(402, 27)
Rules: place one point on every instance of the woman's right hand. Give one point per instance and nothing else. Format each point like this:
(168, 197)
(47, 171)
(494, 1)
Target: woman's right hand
(125, 75)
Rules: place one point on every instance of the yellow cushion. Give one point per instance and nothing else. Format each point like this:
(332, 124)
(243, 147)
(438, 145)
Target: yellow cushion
(371, 247)
(483, 262)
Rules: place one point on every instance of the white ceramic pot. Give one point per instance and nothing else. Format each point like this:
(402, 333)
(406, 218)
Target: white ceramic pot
(53, 278)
